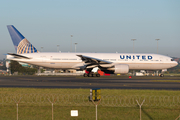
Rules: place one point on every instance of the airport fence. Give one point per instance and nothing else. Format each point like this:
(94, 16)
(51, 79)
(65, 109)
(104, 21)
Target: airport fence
(58, 106)
(83, 100)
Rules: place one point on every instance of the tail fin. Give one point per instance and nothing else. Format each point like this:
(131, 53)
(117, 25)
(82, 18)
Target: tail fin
(21, 44)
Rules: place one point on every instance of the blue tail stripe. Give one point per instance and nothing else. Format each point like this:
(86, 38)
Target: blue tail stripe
(15, 35)
(31, 49)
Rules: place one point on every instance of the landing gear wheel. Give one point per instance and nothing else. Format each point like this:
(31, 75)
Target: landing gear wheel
(161, 75)
(90, 75)
(97, 75)
(85, 75)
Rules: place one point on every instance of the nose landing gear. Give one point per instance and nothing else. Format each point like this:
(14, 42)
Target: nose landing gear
(161, 75)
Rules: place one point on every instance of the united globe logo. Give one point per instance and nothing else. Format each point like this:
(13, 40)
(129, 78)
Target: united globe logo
(26, 47)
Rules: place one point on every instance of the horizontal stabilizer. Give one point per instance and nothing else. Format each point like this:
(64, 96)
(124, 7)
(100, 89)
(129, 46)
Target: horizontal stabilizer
(19, 56)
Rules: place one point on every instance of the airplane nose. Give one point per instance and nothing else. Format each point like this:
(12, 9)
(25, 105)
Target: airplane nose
(176, 63)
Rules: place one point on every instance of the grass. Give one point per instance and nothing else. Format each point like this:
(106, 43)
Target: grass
(86, 91)
(33, 107)
(172, 74)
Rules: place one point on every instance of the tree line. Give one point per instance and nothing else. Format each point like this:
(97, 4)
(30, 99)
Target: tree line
(174, 69)
(16, 67)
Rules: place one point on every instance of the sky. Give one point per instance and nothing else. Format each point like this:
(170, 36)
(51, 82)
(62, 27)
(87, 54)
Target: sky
(96, 25)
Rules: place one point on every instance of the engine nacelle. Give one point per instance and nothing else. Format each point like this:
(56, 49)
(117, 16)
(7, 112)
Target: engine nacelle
(121, 69)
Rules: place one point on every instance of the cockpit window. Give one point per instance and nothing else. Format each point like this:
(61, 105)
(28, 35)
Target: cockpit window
(172, 59)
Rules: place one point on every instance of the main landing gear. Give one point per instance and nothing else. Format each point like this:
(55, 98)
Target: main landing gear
(91, 75)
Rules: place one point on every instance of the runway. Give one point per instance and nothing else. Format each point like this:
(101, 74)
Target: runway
(92, 82)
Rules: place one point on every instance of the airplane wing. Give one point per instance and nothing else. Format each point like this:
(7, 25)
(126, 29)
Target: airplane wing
(18, 56)
(93, 61)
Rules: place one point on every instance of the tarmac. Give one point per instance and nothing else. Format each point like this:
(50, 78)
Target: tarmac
(117, 82)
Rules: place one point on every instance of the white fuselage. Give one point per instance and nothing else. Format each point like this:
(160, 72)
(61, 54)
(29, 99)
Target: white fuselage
(136, 61)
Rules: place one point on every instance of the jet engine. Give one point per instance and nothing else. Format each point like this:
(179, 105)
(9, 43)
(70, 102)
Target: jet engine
(121, 69)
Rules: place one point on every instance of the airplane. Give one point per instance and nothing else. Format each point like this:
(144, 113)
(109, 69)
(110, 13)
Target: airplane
(115, 63)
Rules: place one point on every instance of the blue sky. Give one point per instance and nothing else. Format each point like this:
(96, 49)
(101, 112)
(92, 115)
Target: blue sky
(96, 25)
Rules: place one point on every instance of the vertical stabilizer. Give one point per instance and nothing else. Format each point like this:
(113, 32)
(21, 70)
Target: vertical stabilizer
(21, 44)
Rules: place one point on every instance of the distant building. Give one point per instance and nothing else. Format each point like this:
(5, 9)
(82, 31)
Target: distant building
(1, 63)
